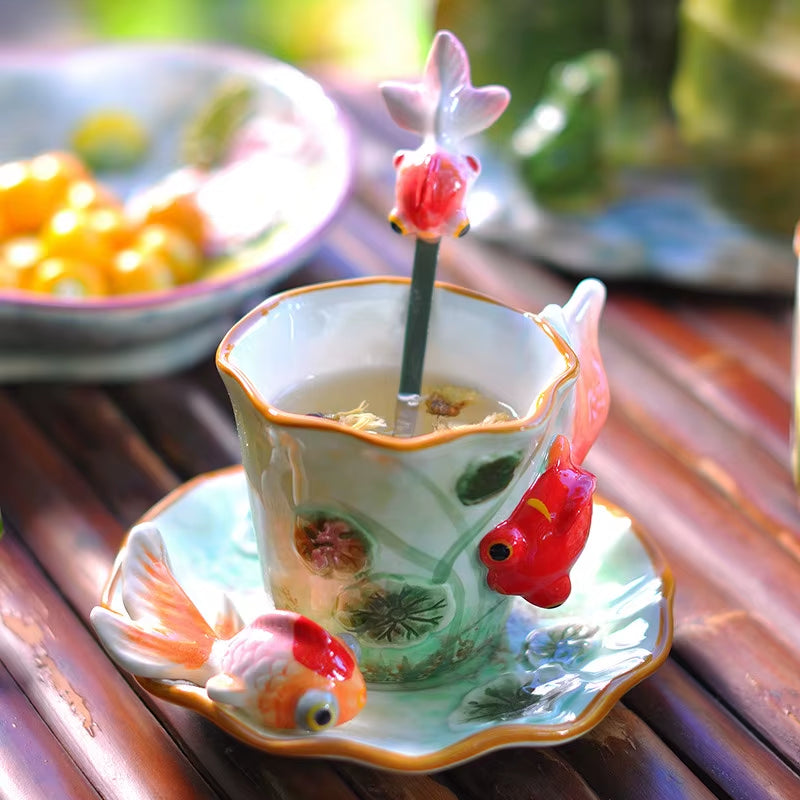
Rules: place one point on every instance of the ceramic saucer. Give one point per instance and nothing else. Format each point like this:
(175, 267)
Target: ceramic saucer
(558, 675)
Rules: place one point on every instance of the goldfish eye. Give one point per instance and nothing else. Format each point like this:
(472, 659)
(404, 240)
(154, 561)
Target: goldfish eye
(397, 224)
(500, 551)
(316, 711)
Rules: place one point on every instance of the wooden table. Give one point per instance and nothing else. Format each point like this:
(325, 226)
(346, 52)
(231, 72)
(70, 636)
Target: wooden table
(696, 450)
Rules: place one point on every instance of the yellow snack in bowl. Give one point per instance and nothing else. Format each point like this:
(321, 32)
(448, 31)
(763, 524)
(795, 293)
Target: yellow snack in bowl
(87, 194)
(69, 234)
(20, 255)
(69, 278)
(113, 226)
(175, 247)
(177, 209)
(133, 271)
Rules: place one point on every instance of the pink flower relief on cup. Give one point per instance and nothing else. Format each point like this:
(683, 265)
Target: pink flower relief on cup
(444, 108)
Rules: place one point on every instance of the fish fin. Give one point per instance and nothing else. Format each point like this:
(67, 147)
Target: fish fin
(560, 454)
(153, 597)
(447, 66)
(409, 105)
(416, 106)
(229, 622)
(445, 104)
(351, 643)
(229, 689)
(579, 321)
(552, 595)
(477, 109)
(144, 651)
(578, 483)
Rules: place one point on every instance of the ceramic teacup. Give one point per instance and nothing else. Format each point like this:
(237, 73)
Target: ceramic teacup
(376, 535)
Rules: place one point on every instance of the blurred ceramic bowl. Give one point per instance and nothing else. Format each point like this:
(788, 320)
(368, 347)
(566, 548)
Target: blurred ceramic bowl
(282, 184)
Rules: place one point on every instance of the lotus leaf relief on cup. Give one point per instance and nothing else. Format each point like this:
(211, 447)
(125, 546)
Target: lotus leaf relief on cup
(393, 611)
(485, 478)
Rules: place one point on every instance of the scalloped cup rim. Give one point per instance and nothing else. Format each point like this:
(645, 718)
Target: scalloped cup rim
(281, 417)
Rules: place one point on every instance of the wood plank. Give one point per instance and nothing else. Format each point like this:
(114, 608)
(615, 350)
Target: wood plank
(101, 444)
(717, 613)
(33, 764)
(207, 378)
(663, 494)
(622, 758)
(717, 455)
(41, 494)
(188, 427)
(381, 785)
(707, 736)
(80, 695)
(520, 774)
(759, 336)
(720, 379)
(56, 519)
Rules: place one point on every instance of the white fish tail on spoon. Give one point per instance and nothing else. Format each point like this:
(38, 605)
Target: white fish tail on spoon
(444, 107)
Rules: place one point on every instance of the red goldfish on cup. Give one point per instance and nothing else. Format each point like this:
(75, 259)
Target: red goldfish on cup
(283, 669)
(444, 108)
(531, 553)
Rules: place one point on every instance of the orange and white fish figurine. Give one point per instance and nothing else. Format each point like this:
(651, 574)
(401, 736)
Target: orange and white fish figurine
(444, 108)
(531, 553)
(283, 669)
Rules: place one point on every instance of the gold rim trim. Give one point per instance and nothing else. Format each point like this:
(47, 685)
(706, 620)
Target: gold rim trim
(285, 418)
(475, 745)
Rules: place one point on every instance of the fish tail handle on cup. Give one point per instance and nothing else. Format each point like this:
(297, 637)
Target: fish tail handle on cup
(578, 322)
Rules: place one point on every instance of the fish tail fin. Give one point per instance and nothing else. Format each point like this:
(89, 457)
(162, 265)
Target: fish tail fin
(143, 651)
(445, 104)
(228, 622)
(166, 635)
(578, 322)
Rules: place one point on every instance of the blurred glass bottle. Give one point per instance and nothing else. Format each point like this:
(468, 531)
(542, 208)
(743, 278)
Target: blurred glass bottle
(737, 99)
